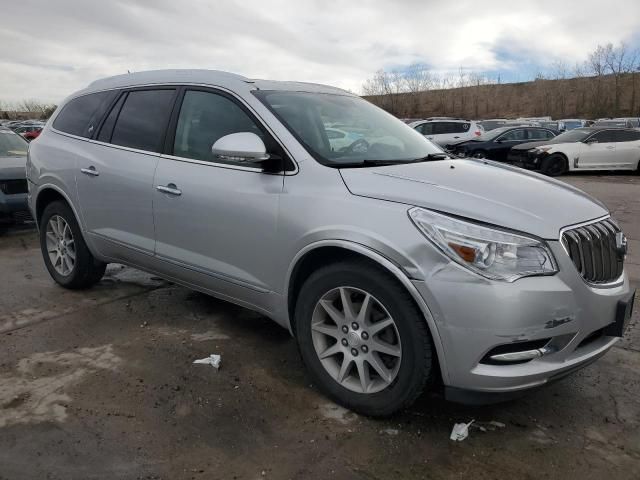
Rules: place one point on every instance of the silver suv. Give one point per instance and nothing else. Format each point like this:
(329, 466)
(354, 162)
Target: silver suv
(395, 267)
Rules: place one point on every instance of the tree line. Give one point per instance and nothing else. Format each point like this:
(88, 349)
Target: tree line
(30, 108)
(604, 84)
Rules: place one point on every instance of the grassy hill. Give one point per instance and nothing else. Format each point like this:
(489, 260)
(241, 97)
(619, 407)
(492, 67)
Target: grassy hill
(584, 97)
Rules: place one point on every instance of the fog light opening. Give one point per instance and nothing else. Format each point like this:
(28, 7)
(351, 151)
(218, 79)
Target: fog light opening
(518, 352)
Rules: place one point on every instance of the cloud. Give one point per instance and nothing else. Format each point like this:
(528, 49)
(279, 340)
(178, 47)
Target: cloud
(49, 49)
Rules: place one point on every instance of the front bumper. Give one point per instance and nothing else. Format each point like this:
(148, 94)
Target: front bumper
(528, 159)
(474, 315)
(14, 208)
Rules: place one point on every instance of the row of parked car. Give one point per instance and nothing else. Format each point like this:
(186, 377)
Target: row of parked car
(28, 129)
(552, 146)
(13, 183)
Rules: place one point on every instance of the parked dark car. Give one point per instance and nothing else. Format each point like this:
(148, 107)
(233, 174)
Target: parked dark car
(495, 144)
(28, 132)
(13, 180)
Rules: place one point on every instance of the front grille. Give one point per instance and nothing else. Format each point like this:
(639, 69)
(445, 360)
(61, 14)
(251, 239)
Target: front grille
(518, 155)
(13, 187)
(593, 250)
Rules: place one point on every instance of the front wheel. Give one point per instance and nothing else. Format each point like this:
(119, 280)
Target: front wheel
(65, 253)
(554, 165)
(364, 341)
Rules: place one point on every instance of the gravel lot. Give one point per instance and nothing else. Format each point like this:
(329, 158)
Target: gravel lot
(100, 384)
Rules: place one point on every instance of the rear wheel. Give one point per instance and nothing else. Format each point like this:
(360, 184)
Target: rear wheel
(554, 165)
(65, 253)
(364, 341)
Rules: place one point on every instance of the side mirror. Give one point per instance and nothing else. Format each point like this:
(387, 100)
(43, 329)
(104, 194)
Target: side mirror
(240, 147)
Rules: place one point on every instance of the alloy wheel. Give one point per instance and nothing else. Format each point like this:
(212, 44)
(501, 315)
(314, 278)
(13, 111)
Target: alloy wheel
(356, 340)
(60, 245)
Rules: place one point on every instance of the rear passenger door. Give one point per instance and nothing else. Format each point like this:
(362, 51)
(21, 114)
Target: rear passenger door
(627, 148)
(115, 177)
(216, 221)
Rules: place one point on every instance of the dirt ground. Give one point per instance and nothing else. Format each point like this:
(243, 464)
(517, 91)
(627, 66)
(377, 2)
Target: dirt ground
(100, 384)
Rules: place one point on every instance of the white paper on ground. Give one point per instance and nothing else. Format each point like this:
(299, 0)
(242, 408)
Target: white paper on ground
(460, 431)
(213, 360)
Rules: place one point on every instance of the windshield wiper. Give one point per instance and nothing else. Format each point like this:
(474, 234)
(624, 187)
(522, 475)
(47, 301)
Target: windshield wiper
(427, 158)
(380, 163)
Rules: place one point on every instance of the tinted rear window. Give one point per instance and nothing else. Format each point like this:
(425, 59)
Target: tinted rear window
(143, 119)
(626, 135)
(81, 115)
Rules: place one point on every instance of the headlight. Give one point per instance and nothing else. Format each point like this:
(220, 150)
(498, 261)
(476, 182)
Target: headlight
(494, 254)
(542, 149)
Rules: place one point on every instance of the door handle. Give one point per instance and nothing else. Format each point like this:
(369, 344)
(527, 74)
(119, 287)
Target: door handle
(90, 171)
(610, 147)
(171, 189)
(456, 137)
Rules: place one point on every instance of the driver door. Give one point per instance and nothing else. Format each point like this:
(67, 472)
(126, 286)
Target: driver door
(504, 142)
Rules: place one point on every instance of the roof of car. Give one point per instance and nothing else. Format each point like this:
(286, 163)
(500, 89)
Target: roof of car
(205, 77)
(596, 128)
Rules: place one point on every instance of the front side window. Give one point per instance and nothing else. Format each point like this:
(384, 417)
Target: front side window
(514, 135)
(374, 134)
(206, 117)
(604, 137)
(143, 119)
(81, 115)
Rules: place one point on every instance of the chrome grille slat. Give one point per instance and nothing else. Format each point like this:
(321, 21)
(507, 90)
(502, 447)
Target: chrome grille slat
(592, 248)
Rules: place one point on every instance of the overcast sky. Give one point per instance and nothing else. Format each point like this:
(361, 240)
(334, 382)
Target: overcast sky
(49, 48)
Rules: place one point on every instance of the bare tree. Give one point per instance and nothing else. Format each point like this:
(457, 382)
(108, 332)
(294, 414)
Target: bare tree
(620, 61)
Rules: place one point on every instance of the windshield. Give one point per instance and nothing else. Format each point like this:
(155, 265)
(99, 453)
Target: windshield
(341, 129)
(572, 136)
(12, 145)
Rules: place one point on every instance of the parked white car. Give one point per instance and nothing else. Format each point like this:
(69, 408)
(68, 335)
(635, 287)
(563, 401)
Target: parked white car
(443, 132)
(339, 139)
(592, 148)
(618, 122)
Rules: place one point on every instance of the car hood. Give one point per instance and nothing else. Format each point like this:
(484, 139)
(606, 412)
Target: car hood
(480, 190)
(13, 168)
(464, 143)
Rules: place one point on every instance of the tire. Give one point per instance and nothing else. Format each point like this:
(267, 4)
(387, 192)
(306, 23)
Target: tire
(479, 154)
(82, 269)
(405, 377)
(554, 165)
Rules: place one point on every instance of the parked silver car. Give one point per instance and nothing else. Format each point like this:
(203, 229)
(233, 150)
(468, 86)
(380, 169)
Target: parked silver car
(394, 266)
